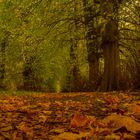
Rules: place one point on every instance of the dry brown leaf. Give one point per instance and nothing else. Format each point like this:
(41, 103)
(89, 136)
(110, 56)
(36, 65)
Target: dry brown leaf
(117, 121)
(135, 109)
(129, 137)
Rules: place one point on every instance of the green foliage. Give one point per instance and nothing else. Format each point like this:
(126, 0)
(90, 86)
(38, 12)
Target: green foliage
(44, 30)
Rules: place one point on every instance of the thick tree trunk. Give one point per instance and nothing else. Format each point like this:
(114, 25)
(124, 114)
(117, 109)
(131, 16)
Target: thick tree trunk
(111, 57)
(109, 10)
(111, 68)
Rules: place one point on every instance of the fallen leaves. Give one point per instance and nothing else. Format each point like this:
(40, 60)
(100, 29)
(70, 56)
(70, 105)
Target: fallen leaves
(70, 116)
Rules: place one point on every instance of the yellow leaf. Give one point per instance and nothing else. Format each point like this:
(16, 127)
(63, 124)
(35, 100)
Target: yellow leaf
(112, 137)
(57, 130)
(71, 136)
(8, 128)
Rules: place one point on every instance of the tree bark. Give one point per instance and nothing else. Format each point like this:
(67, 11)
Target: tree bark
(92, 48)
(2, 63)
(111, 57)
(74, 72)
(73, 78)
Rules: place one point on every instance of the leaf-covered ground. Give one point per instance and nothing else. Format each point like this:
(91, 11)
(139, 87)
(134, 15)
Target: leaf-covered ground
(70, 116)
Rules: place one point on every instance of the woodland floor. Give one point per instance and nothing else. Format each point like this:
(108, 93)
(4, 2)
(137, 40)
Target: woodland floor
(70, 116)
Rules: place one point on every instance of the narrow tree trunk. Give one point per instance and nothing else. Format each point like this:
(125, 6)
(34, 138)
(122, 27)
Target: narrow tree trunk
(93, 73)
(73, 78)
(2, 63)
(74, 68)
(28, 74)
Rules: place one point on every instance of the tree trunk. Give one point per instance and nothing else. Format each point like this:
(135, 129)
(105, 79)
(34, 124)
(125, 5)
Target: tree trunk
(111, 57)
(2, 63)
(31, 82)
(73, 79)
(93, 72)
(27, 72)
(92, 48)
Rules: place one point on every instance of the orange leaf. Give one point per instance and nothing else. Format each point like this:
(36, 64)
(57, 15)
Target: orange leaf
(111, 99)
(82, 121)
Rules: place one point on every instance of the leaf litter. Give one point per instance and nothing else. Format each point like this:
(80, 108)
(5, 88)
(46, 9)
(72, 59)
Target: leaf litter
(70, 116)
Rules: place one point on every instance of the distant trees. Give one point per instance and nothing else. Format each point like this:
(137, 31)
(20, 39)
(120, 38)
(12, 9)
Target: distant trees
(80, 45)
(18, 39)
(129, 23)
